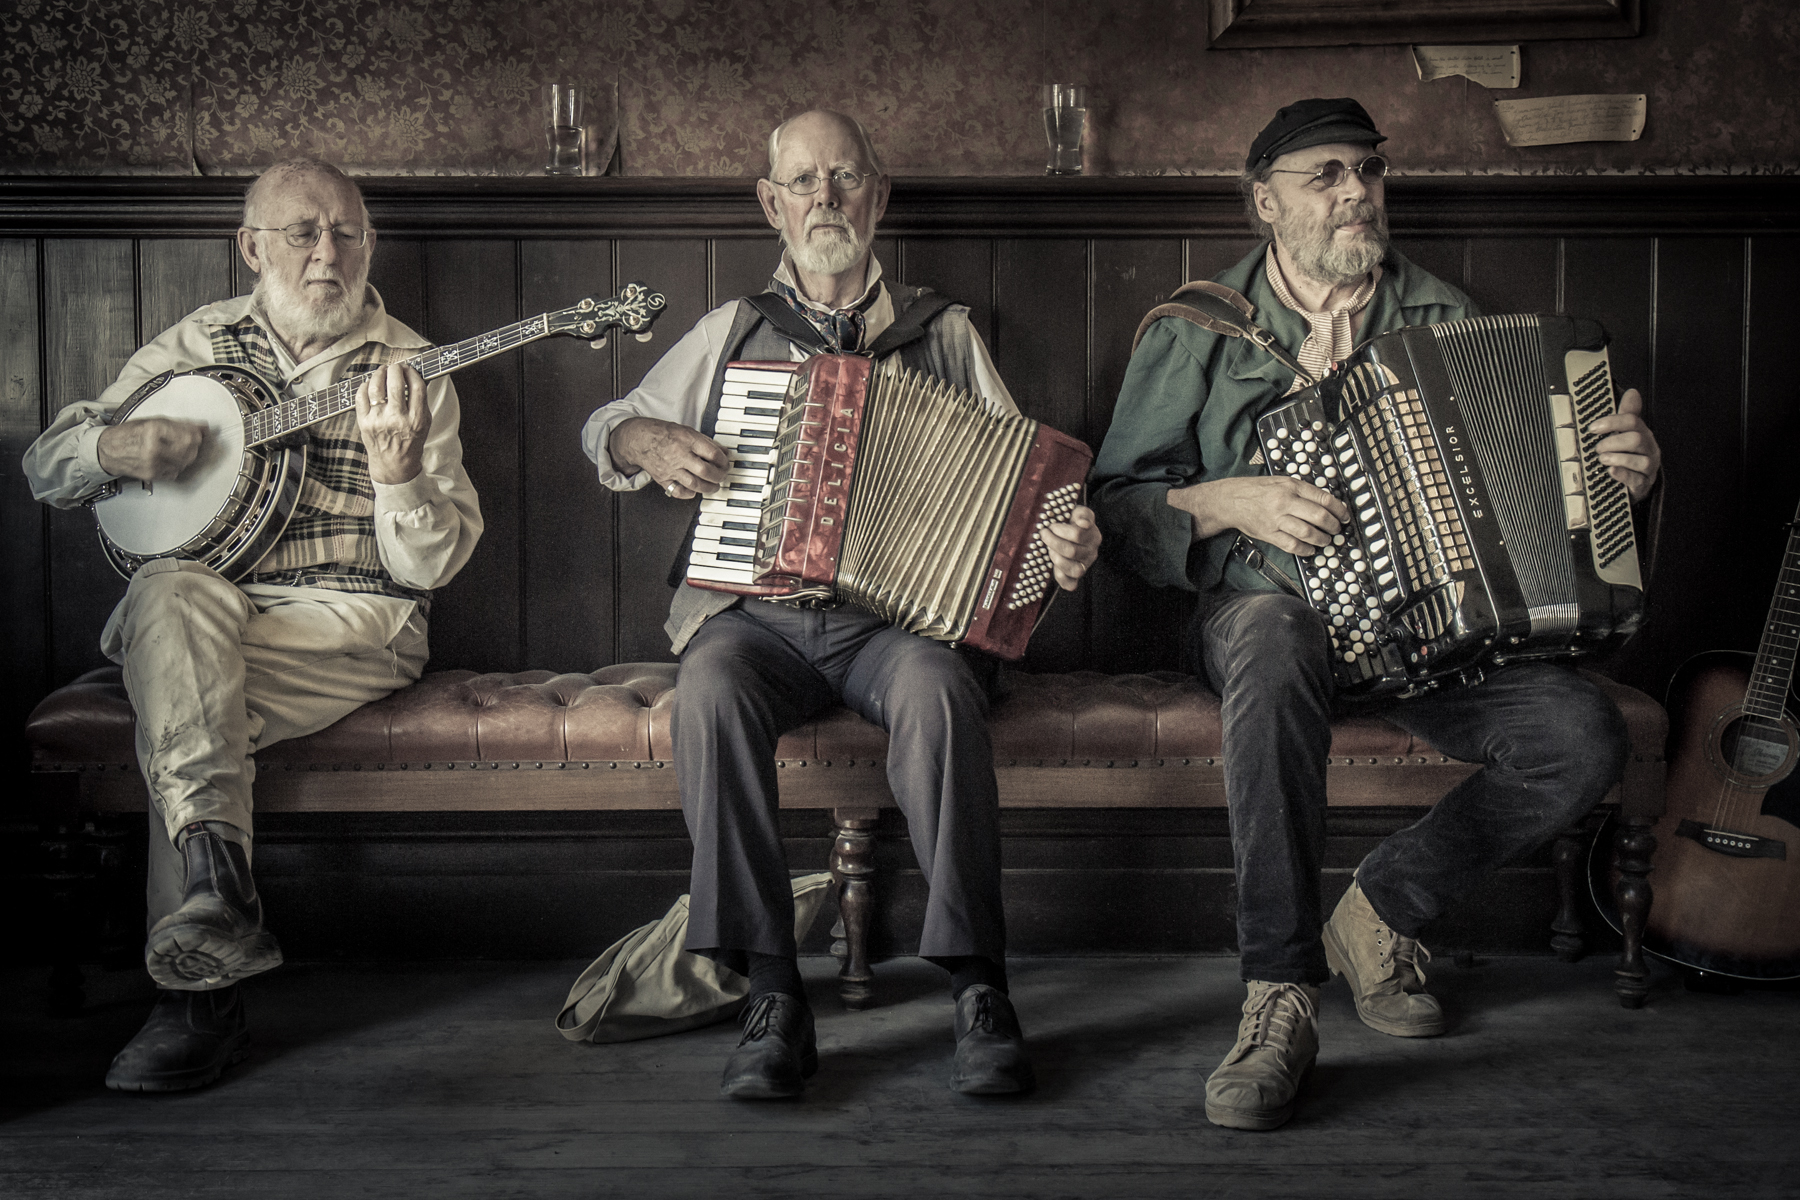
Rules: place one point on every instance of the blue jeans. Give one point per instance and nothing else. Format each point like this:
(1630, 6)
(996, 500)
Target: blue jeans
(1550, 744)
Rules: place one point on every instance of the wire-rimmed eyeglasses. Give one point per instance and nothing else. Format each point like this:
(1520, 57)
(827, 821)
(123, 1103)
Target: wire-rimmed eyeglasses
(806, 183)
(1331, 174)
(304, 235)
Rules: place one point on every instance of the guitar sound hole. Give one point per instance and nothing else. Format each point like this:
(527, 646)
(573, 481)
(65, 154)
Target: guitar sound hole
(1756, 747)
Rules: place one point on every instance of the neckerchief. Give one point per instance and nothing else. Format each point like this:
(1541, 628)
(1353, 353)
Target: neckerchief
(842, 328)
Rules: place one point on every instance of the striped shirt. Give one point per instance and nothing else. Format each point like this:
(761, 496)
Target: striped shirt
(1332, 335)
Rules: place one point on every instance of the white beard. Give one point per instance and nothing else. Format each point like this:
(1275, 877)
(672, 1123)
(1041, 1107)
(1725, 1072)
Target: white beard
(301, 318)
(1318, 254)
(827, 255)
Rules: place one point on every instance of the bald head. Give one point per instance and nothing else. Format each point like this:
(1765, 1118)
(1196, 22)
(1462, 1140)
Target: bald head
(297, 170)
(825, 121)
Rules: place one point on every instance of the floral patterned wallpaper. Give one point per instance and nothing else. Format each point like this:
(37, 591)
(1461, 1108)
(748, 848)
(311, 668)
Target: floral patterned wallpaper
(692, 86)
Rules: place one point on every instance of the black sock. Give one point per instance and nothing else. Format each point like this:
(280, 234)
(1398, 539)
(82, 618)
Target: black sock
(970, 969)
(775, 973)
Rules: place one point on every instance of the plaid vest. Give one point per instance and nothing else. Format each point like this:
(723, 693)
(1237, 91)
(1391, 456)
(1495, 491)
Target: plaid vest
(330, 540)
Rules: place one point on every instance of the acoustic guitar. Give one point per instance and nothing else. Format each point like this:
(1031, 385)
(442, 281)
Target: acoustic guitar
(231, 504)
(1726, 874)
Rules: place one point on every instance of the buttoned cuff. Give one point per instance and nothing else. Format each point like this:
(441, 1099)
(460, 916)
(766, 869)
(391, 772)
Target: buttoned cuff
(87, 455)
(420, 491)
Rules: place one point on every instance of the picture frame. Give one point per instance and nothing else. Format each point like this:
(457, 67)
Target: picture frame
(1258, 24)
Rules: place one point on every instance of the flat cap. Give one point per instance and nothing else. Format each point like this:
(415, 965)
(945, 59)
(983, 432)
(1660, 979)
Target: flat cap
(1307, 123)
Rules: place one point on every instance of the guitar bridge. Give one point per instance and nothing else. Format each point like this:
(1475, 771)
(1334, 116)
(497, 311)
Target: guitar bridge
(1737, 845)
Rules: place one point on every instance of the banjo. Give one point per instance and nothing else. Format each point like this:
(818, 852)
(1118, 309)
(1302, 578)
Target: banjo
(230, 505)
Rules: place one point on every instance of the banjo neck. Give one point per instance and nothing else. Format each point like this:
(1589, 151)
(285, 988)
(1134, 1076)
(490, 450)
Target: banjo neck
(289, 416)
(634, 308)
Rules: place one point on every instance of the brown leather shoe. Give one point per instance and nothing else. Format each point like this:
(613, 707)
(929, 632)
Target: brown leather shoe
(1258, 1084)
(1384, 970)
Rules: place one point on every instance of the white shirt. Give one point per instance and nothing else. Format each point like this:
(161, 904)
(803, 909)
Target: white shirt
(678, 387)
(426, 528)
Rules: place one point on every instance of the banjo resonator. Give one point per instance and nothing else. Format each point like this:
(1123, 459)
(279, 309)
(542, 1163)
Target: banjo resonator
(232, 503)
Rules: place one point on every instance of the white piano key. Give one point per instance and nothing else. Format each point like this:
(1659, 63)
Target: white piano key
(744, 521)
(714, 574)
(733, 507)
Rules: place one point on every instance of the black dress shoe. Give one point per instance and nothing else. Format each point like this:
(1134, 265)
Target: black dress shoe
(990, 1048)
(190, 1038)
(216, 936)
(777, 1053)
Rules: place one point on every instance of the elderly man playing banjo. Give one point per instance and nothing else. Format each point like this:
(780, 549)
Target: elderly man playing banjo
(330, 618)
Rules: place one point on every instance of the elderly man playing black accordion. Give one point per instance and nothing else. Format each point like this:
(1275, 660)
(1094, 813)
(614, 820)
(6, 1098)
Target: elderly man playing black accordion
(332, 617)
(751, 669)
(1181, 476)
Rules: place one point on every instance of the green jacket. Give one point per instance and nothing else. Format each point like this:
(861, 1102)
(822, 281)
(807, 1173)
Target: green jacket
(1187, 414)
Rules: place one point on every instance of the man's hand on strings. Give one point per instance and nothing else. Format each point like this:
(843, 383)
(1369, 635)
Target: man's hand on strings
(393, 419)
(149, 448)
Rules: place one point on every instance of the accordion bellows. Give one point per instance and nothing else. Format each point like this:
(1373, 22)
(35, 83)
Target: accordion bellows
(892, 492)
(1484, 529)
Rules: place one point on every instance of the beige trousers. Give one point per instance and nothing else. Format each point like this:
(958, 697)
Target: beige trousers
(215, 672)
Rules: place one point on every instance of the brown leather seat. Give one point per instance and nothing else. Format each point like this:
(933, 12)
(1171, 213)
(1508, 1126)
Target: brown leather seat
(621, 713)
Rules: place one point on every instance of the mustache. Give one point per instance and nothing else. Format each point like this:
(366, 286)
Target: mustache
(827, 216)
(1360, 210)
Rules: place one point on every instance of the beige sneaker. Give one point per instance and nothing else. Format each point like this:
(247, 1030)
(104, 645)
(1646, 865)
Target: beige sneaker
(1384, 970)
(1278, 1039)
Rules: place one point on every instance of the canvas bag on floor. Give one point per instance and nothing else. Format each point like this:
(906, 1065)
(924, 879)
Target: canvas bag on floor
(646, 985)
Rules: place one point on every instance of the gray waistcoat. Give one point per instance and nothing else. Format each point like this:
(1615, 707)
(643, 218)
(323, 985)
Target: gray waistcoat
(945, 352)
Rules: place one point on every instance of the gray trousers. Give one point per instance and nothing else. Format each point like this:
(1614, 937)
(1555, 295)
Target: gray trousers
(758, 670)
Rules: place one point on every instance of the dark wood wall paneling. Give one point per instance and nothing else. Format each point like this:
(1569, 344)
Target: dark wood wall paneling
(570, 576)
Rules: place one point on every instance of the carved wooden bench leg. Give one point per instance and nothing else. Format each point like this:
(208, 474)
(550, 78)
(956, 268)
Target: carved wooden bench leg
(1633, 844)
(853, 866)
(1567, 932)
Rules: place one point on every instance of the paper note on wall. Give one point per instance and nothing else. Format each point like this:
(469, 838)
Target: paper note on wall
(1555, 120)
(1490, 66)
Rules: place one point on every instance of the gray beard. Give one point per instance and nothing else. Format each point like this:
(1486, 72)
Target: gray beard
(301, 319)
(833, 256)
(1319, 256)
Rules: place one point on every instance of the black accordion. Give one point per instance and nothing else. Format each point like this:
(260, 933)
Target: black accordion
(1484, 529)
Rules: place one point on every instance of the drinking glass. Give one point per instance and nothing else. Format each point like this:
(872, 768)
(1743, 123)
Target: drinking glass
(1065, 118)
(564, 129)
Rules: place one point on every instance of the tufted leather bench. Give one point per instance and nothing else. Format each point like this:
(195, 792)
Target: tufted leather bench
(535, 740)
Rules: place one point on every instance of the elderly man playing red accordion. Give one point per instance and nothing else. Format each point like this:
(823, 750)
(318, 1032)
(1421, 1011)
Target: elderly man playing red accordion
(751, 669)
(1179, 478)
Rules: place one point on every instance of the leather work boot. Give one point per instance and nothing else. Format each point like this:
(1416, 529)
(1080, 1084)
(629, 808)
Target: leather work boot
(1258, 1084)
(990, 1047)
(1383, 969)
(216, 936)
(778, 1052)
(190, 1038)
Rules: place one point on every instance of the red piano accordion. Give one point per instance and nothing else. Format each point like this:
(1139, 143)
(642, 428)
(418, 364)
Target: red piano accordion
(889, 491)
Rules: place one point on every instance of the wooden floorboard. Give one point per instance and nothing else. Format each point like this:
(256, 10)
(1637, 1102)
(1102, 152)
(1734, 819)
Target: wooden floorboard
(449, 1081)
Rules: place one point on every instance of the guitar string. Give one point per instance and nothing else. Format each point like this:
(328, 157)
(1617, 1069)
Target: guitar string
(1765, 697)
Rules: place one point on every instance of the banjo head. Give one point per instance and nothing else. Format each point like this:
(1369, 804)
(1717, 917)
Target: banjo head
(153, 520)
